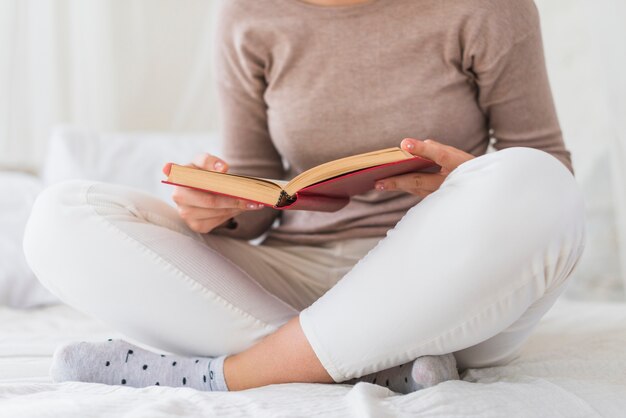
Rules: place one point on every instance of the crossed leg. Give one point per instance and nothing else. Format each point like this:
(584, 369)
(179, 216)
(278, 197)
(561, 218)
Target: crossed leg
(469, 270)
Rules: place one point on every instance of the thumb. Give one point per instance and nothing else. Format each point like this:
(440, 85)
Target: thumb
(210, 162)
(445, 156)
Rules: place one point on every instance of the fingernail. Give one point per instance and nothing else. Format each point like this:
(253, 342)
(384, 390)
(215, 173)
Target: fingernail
(409, 145)
(218, 165)
(251, 205)
(380, 186)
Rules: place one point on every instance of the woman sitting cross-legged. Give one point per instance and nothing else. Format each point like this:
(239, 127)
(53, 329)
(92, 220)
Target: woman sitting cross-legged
(424, 274)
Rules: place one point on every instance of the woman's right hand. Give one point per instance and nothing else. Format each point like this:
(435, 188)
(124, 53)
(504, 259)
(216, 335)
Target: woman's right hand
(204, 211)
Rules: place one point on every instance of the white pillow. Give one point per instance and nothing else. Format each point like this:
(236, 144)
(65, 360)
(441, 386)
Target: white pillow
(133, 159)
(18, 285)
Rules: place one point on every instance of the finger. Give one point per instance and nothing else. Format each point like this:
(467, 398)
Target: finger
(446, 156)
(167, 168)
(210, 162)
(207, 225)
(191, 213)
(190, 197)
(222, 217)
(412, 182)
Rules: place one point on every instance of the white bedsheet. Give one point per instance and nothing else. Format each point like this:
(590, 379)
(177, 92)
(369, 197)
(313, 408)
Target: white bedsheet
(573, 366)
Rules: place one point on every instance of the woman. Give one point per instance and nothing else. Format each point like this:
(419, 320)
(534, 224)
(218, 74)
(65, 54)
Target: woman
(472, 258)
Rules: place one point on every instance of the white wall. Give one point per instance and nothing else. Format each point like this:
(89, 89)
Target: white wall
(102, 64)
(586, 55)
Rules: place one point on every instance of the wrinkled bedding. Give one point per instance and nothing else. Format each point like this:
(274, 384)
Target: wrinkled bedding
(573, 366)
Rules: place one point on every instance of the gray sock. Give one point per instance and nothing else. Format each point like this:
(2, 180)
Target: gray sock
(421, 373)
(120, 363)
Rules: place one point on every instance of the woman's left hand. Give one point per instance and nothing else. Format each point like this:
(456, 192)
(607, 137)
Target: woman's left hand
(423, 184)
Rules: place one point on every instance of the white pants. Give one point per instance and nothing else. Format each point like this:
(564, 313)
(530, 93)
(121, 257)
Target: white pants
(470, 270)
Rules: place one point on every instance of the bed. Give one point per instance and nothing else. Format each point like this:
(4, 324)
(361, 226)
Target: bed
(574, 365)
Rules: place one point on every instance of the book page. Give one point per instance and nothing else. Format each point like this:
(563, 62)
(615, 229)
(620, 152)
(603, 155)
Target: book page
(266, 191)
(281, 183)
(345, 165)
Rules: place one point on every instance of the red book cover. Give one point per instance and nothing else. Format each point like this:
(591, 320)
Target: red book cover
(333, 194)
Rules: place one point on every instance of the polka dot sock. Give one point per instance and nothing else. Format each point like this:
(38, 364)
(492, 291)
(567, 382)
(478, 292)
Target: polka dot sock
(421, 373)
(116, 362)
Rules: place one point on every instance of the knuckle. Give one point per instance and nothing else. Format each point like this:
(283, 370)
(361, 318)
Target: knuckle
(417, 181)
(184, 213)
(195, 225)
(203, 160)
(210, 200)
(443, 156)
(177, 195)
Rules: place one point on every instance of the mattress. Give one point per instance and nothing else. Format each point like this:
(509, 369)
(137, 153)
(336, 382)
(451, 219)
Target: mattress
(574, 365)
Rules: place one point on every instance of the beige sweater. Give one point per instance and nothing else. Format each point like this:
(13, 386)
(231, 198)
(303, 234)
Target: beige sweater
(300, 85)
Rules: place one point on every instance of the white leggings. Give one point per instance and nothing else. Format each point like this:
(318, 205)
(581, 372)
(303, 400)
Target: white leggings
(469, 270)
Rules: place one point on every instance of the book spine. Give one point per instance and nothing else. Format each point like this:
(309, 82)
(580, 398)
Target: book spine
(284, 199)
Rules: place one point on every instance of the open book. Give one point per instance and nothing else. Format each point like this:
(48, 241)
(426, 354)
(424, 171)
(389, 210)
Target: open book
(326, 187)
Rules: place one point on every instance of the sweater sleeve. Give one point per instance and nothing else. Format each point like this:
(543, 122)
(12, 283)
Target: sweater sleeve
(247, 145)
(513, 86)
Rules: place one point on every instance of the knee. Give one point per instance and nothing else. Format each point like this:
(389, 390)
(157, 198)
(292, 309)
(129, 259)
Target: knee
(522, 193)
(53, 208)
(533, 167)
(526, 181)
(545, 180)
(54, 213)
